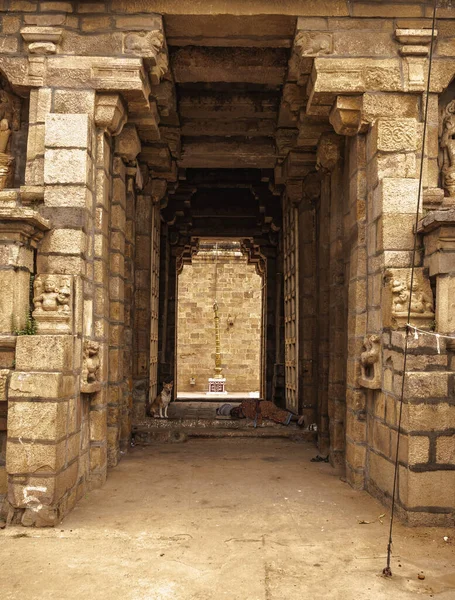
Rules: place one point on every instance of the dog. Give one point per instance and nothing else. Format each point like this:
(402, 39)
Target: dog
(162, 401)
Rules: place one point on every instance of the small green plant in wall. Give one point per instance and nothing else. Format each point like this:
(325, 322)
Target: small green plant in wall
(29, 327)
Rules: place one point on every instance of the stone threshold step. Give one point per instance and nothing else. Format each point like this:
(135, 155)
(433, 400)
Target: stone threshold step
(217, 423)
(144, 436)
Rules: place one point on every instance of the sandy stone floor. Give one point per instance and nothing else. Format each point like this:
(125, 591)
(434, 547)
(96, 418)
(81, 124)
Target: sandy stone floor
(235, 519)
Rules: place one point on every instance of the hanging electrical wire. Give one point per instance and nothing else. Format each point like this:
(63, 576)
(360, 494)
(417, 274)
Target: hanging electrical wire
(387, 571)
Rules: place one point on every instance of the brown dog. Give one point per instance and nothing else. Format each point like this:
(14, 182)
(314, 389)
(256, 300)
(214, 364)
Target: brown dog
(162, 401)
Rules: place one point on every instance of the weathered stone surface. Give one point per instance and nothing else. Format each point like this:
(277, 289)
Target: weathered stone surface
(427, 489)
(37, 420)
(67, 131)
(42, 385)
(44, 353)
(30, 457)
(66, 166)
(438, 417)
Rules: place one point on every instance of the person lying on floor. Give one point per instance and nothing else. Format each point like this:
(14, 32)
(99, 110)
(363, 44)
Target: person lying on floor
(258, 410)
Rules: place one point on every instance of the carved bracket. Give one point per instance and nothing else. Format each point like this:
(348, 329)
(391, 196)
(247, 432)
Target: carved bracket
(346, 115)
(110, 113)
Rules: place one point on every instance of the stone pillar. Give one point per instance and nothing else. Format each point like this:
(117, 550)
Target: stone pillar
(143, 227)
(127, 147)
(47, 452)
(356, 275)
(393, 146)
(308, 299)
(329, 162)
(110, 117)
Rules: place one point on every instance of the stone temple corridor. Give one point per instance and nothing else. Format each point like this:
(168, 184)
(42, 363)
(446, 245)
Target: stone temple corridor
(234, 519)
(299, 157)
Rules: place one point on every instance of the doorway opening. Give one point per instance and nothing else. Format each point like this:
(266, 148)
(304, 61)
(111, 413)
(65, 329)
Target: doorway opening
(220, 323)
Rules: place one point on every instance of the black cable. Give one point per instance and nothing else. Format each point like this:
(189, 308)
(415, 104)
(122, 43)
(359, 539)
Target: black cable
(387, 570)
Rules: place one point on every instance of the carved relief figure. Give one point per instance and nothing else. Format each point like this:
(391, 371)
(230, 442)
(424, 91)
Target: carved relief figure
(52, 303)
(370, 362)
(314, 44)
(91, 362)
(421, 302)
(9, 122)
(447, 145)
(48, 297)
(399, 295)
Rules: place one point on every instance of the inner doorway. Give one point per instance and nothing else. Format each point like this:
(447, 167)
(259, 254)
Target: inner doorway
(220, 311)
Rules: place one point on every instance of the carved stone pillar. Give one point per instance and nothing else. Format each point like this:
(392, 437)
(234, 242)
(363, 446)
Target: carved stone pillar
(49, 469)
(330, 165)
(127, 147)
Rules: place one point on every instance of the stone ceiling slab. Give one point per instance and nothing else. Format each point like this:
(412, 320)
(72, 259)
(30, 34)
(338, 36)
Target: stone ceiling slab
(253, 65)
(228, 154)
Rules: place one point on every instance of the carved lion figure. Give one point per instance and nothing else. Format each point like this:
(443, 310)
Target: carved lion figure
(91, 362)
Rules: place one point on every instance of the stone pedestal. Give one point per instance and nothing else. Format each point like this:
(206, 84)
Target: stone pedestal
(216, 386)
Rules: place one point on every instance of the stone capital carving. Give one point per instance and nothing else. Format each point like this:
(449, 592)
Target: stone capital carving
(110, 113)
(127, 143)
(414, 41)
(414, 50)
(371, 363)
(331, 77)
(41, 40)
(21, 224)
(52, 299)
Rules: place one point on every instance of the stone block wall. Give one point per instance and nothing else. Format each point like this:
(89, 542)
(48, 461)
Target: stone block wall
(425, 484)
(239, 295)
